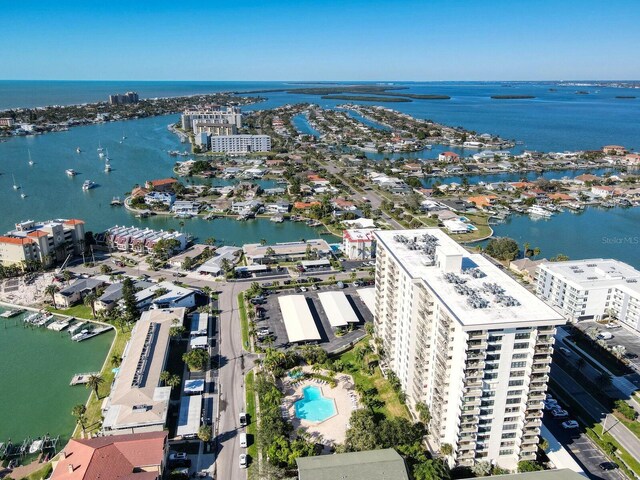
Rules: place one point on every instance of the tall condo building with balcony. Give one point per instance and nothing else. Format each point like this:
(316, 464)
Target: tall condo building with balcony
(468, 341)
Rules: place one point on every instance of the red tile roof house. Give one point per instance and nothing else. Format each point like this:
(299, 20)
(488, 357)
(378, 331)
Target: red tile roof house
(633, 158)
(139, 456)
(614, 150)
(448, 157)
(161, 185)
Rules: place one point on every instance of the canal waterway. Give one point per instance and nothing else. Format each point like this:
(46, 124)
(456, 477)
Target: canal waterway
(302, 124)
(36, 366)
(592, 233)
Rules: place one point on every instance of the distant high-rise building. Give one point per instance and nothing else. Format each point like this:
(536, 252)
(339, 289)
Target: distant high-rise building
(467, 341)
(233, 143)
(215, 115)
(120, 99)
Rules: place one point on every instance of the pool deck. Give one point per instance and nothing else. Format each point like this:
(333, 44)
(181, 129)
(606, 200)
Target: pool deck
(331, 431)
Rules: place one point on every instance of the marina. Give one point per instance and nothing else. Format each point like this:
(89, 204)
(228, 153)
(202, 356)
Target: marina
(46, 357)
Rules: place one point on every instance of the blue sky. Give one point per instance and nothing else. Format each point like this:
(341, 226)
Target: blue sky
(320, 40)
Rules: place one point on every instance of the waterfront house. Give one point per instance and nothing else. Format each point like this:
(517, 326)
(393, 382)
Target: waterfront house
(137, 402)
(274, 191)
(161, 185)
(194, 253)
(632, 159)
(139, 192)
(603, 191)
(448, 157)
(163, 198)
(76, 291)
(586, 178)
(483, 201)
(278, 207)
(614, 150)
(248, 206)
(184, 207)
(123, 457)
(526, 267)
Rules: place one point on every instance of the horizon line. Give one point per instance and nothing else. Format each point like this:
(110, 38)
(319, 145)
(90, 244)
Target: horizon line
(316, 81)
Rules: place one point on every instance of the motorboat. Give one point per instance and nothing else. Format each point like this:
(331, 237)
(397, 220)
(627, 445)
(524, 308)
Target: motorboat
(107, 167)
(539, 211)
(78, 150)
(87, 185)
(71, 172)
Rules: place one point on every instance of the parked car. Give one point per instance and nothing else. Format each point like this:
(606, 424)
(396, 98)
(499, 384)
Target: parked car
(564, 350)
(243, 419)
(243, 460)
(177, 456)
(605, 336)
(559, 413)
(608, 466)
(630, 355)
(570, 424)
(303, 289)
(613, 325)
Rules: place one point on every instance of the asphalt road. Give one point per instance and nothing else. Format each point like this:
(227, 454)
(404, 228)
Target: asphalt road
(231, 380)
(627, 439)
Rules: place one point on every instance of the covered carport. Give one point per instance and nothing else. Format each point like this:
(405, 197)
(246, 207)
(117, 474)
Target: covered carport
(338, 309)
(298, 321)
(368, 296)
(189, 416)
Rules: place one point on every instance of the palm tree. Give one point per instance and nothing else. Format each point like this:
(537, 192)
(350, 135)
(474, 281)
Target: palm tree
(94, 382)
(116, 360)
(90, 301)
(79, 412)
(67, 276)
(165, 376)
(605, 380)
(52, 290)
(174, 381)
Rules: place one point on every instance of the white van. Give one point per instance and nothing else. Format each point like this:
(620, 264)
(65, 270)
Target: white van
(605, 336)
(243, 440)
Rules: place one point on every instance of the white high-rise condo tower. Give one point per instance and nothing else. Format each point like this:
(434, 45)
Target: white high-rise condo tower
(468, 341)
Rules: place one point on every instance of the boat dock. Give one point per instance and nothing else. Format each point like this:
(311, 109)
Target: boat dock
(89, 334)
(12, 313)
(81, 378)
(59, 325)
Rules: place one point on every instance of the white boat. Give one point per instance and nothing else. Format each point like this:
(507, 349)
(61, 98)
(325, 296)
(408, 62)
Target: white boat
(79, 336)
(31, 318)
(87, 185)
(15, 185)
(36, 446)
(107, 155)
(539, 211)
(22, 194)
(30, 161)
(100, 149)
(101, 154)
(107, 167)
(71, 172)
(78, 150)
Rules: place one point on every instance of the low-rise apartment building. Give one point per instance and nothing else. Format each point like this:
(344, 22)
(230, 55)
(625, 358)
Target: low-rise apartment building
(256, 253)
(592, 289)
(46, 242)
(359, 244)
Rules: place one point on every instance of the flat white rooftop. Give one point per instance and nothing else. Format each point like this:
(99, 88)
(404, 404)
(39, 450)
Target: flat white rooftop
(368, 296)
(596, 272)
(189, 416)
(338, 309)
(297, 318)
(473, 289)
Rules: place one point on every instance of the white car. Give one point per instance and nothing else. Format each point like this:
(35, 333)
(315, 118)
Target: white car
(551, 405)
(570, 424)
(303, 289)
(559, 413)
(178, 456)
(612, 325)
(243, 460)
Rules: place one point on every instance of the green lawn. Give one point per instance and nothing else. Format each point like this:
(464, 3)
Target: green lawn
(392, 405)
(633, 425)
(41, 473)
(79, 311)
(244, 322)
(94, 413)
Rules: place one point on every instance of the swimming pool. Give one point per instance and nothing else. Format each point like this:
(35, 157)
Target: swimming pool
(313, 406)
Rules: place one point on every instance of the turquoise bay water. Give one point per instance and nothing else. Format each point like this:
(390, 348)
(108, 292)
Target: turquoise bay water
(594, 233)
(313, 406)
(141, 156)
(36, 366)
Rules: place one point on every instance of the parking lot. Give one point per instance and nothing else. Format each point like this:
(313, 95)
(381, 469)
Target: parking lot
(624, 336)
(329, 341)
